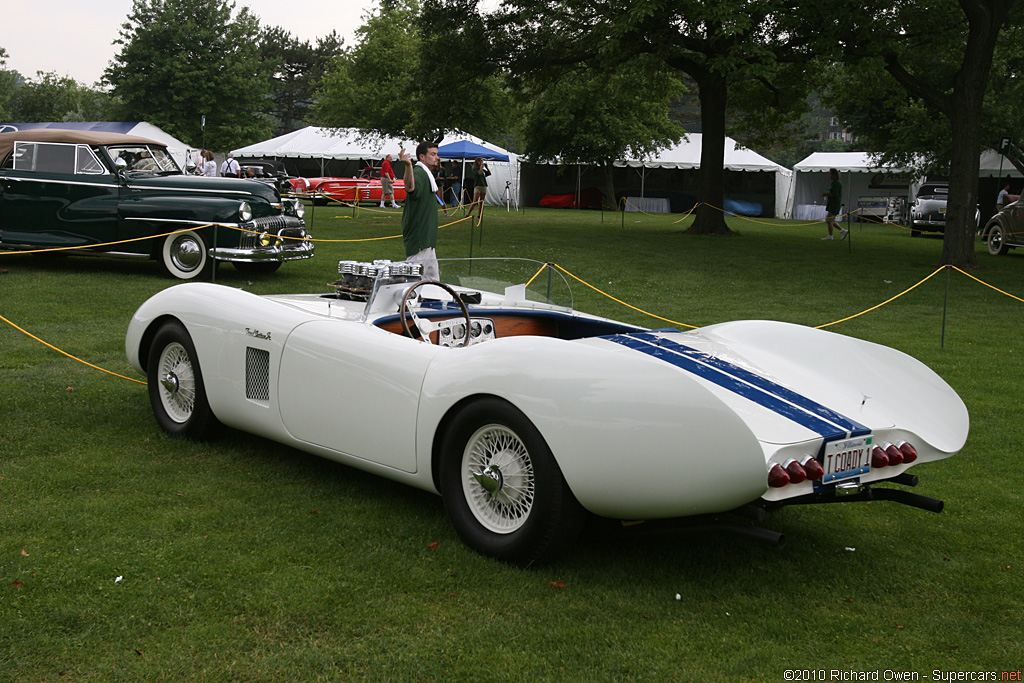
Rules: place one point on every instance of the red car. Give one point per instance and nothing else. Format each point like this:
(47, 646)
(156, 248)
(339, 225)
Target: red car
(365, 188)
(367, 185)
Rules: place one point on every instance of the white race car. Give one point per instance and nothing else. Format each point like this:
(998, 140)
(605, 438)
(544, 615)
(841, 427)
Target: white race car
(525, 415)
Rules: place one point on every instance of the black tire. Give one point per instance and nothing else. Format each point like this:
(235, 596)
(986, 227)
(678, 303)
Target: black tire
(997, 240)
(258, 268)
(176, 390)
(185, 256)
(526, 514)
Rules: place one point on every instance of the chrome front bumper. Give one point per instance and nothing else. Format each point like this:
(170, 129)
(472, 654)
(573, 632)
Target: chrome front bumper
(272, 238)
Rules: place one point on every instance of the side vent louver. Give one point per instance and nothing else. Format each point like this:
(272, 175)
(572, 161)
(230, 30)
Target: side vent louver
(257, 375)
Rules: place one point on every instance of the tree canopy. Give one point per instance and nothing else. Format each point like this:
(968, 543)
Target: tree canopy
(183, 60)
(718, 44)
(911, 81)
(371, 86)
(296, 68)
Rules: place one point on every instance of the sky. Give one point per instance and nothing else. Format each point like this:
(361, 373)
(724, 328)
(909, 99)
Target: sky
(75, 38)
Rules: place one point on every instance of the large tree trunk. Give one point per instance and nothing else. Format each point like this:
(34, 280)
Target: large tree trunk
(985, 18)
(710, 216)
(608, 187)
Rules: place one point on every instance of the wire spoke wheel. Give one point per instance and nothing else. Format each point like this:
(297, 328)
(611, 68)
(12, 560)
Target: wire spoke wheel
(498, 478)
(502, 488)
(177, 383)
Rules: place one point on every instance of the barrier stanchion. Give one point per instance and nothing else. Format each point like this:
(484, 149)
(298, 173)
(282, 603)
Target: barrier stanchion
(213, 261)
(945, 305)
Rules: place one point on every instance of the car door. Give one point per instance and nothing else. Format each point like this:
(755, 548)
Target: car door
(57, 195)
(355, 389)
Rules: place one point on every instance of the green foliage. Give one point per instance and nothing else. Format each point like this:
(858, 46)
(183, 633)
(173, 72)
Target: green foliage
(593, 116)
(371, 86)
(296, 68)
(8, 82)
(720, 45)
(461, 83)
(243, 560)
(913, 88)
(51, 97)
(182, 59)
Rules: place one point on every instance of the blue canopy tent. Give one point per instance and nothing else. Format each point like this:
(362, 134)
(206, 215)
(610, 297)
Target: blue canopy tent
(464, 149)
(467, 149)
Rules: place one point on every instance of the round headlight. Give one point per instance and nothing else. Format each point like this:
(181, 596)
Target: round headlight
(300, 208)
(244, 212)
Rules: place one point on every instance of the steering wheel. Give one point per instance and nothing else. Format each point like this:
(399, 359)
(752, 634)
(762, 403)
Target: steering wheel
(423, 326)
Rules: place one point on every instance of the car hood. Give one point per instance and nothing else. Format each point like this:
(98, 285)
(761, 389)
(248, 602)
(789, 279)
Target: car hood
(200, 185)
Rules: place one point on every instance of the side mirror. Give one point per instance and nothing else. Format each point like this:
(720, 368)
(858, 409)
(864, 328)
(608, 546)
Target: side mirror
(120, 164)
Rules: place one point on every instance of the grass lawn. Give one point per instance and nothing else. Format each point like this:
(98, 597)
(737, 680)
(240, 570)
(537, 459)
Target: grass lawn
(129, 556)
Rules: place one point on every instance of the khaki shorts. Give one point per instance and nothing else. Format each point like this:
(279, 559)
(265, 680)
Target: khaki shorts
(386, 185)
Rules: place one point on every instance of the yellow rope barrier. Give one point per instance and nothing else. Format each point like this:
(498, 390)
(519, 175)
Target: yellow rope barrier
(619, 301)
(857, 315)
(108, 244)
(986, 284)
(65, 353)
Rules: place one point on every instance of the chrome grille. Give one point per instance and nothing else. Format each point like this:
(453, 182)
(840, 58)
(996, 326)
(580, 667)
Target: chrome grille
(257, 375)
(286, 226)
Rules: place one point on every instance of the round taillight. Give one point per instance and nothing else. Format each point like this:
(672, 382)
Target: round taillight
(777, 477)
(908, 451)
(813, 468)
(895, 457)
(795, 471)
(878, 457)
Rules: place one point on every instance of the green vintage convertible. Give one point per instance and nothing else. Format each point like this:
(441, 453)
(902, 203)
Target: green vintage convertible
(98, 193)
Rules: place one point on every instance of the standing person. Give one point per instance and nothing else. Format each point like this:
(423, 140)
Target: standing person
(467, 188)
(1002, 200)
(833, 205)
(230, 168)
(456, 178)
(419, 217)
(447, 175)
(480, 173)
(387, 183)
(209, 165)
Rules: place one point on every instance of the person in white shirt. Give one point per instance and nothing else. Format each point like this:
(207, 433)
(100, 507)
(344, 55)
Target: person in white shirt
(1002, 200)
(230, 168)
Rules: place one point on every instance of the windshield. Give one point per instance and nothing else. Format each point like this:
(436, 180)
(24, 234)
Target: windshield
(544, 283)
(143, 158)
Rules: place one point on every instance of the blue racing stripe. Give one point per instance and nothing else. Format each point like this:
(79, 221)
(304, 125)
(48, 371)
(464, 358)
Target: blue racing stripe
(764, 392)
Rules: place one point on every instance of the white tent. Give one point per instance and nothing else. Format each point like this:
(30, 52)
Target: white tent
(995, 165)
(323, 145)
(178, 149)
(865, 185)
(686, 156)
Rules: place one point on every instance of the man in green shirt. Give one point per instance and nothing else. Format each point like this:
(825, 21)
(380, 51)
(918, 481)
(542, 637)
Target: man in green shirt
(419, 213)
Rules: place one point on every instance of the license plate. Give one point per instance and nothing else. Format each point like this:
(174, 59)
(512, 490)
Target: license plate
(846, 458)
(942, 209)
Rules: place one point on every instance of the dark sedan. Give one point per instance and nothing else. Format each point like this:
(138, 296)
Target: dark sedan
(1005, 230)
(122, 195)
(928, 213)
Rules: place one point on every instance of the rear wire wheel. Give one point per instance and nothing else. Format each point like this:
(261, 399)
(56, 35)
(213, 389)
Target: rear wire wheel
(503, 489)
